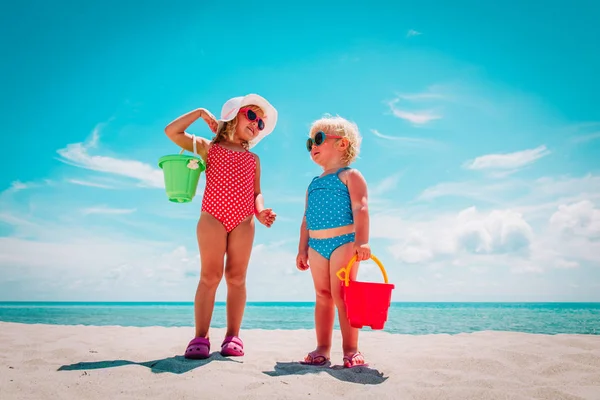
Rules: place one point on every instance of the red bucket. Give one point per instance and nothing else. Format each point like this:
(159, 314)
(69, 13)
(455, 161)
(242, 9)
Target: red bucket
(367, 303)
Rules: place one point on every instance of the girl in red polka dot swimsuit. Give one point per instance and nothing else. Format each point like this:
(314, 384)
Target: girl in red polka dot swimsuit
(232, 198)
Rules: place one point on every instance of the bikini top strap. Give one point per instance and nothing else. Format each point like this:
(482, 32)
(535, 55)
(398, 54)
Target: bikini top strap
(336, 174)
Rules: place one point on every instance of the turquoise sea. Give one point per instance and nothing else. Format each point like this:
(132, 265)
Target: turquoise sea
(405, 318)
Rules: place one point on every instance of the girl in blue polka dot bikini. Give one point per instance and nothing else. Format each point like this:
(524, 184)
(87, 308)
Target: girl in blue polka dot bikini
(335, 227)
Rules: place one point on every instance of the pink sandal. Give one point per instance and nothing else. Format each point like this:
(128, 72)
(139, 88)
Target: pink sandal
(316, 359)
(232, 346)
(198, 349)
(350, 363)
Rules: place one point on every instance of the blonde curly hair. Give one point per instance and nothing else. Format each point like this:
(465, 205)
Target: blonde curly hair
(341, 127)
(226, 130)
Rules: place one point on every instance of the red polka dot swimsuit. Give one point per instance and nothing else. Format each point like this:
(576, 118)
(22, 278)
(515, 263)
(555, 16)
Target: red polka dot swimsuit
(229, 192)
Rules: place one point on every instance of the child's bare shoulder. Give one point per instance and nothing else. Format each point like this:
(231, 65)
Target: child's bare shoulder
(350, 174)
(347, 174)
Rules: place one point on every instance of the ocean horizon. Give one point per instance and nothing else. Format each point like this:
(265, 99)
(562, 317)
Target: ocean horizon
(416, 318)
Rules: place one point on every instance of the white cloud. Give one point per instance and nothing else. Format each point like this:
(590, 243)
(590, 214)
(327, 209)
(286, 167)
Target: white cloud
(412, 32)
(472, 247)
(107, 210)
(566, 264)
(423, 96)
(407, 141)
(587, 138)
(102, 268)
(18, 185)
(58, 256)
(499, 231)
(489, 192)
(577, 219)
(417, 240)
(386, 184)
(582, 132)
(273, 274)
(433, 92)
(90, 252)
(536, 199)
(531, 227)
(96, 268)
(508, 161)
(17, 222)
(415, 117)
(588, 184)
(542, 192)
(91, 184)
(502, 174)
(77, 154)
(571, 236)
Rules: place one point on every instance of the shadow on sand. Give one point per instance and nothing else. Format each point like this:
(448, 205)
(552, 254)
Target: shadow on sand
(362, 375)
(174, 365)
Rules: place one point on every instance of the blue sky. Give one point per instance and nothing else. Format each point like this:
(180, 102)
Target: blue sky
(480, 125)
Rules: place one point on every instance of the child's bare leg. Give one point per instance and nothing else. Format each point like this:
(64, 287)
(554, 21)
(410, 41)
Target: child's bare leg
(239, 247)
(340, 258)
(212, 240)
(324, 307)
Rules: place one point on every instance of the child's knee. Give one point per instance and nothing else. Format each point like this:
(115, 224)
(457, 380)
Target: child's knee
(323, 294)
(235, 278)
(211, 278)
(336, 295)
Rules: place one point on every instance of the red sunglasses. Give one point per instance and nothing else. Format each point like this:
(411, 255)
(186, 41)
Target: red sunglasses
(251, 116)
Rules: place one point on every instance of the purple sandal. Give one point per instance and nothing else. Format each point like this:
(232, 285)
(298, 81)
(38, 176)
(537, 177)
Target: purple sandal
(315, 358)
(198, 349)
(232, 346)
(350, 361)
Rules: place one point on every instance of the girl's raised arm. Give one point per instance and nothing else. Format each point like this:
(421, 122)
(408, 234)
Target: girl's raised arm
(176, 131)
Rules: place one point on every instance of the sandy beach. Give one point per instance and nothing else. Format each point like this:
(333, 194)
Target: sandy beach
(89, 362)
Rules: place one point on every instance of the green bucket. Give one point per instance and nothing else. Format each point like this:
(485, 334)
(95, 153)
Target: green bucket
(182, 173)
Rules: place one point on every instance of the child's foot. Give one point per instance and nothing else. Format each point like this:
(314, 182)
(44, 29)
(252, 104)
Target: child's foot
(198, 349)
(354, 360)
(232, 346)
(315, 358)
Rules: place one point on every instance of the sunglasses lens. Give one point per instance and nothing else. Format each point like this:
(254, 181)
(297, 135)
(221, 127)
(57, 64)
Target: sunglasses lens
(319, 138)
(309, 144)
(251, 115)
(261, 124)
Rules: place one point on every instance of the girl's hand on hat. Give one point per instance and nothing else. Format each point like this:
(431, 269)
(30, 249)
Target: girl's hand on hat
(363, 251)
(210, 120)
(266, 217)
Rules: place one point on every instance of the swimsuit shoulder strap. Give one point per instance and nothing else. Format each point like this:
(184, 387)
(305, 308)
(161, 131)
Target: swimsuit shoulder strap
(337, 174)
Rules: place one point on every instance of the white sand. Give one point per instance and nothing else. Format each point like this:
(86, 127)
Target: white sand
(79, 362)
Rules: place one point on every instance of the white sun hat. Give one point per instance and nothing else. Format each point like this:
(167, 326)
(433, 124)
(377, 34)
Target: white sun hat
(232, 107)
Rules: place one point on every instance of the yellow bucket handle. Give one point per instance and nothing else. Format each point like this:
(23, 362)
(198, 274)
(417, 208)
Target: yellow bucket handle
(346, 270)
